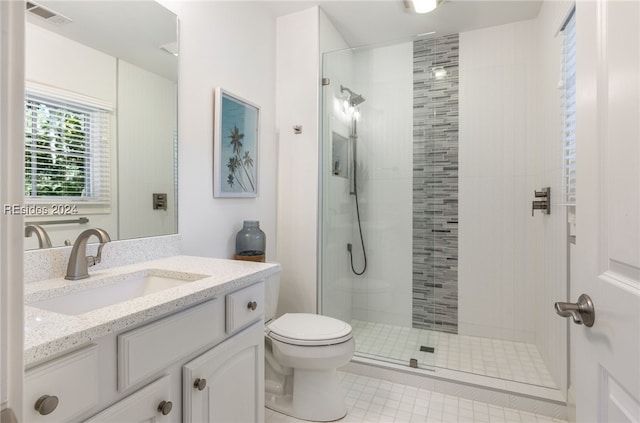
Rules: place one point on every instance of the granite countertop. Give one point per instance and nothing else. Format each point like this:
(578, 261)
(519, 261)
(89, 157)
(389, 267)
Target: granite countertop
(47, 334)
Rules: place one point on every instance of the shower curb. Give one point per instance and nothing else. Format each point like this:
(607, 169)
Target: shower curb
(520, 396)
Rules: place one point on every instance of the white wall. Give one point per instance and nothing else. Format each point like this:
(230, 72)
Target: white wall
(229, 45)
(146, 120)
(62, 63)
(297, 84)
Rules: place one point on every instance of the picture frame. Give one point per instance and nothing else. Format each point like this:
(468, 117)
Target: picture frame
(236, 131)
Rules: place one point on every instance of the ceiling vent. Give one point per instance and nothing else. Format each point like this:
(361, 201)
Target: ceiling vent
(47, 14)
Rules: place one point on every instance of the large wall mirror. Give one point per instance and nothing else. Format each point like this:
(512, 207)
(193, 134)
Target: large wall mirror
(100, 119)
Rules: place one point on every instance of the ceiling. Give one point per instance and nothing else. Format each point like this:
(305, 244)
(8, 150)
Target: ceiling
(131, 30)
(134, 30)
(363, 22)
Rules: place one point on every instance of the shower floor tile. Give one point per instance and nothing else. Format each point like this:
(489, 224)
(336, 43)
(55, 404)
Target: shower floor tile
(374, 400)
(516, 361)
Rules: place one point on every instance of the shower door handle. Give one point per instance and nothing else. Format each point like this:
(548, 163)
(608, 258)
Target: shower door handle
(582, 312)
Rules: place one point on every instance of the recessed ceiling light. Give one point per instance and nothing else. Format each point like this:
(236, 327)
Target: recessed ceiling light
(424, 6)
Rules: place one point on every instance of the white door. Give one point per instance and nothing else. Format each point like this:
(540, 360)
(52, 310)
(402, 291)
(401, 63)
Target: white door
(606, 357)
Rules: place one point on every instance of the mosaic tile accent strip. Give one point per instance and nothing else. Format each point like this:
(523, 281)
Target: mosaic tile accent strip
(435, 184)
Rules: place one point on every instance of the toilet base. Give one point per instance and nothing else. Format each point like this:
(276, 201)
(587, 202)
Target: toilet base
(317, 396)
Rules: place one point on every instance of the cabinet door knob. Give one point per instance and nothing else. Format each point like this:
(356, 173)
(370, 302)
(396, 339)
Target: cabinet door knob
(46, 404)
(165, 407)
(252, 305)
(200, 384)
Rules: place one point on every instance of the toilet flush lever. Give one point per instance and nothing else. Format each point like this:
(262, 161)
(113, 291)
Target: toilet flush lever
(582, 312)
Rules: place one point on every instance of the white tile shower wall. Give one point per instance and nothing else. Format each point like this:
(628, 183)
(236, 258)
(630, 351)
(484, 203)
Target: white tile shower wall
(498, 161)
(552, 331)
(383, 76)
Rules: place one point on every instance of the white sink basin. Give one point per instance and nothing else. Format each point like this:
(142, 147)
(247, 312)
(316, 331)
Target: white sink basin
(116, 289)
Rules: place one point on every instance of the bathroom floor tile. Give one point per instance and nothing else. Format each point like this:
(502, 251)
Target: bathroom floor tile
(388, 402)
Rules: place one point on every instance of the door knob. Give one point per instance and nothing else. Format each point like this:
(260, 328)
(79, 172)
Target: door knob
(582, 312)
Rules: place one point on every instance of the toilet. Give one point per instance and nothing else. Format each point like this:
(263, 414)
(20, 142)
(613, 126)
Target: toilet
(302, 353)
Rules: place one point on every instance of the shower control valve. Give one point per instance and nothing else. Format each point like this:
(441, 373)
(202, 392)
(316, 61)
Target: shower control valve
(544, 203)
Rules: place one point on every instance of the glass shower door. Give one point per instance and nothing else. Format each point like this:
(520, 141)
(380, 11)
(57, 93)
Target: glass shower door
(367, 231)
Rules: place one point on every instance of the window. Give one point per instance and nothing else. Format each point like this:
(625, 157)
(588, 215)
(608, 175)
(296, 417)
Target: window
(569, 109)
(66, 147)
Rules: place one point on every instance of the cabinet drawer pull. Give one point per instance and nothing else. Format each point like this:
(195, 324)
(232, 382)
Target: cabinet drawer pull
(46, 404)
(252, 305)
(200, 384)
(165, 407)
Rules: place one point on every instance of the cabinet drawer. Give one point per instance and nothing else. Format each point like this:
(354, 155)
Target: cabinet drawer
(72, 379)
(148, 350)
(141, 406)
(245, 306)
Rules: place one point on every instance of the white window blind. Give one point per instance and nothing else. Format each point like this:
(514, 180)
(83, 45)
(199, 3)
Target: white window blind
(67, 138)
(569, 110)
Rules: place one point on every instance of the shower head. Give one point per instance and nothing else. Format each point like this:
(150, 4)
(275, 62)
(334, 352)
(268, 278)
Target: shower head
(354, 99)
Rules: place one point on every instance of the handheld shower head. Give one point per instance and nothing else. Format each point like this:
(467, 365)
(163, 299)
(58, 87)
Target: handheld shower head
(354, 99)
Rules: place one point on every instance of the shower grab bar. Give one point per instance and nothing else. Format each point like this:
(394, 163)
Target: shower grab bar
(80, 220)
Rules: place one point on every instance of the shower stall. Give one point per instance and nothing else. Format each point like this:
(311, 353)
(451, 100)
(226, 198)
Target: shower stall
(430, 158)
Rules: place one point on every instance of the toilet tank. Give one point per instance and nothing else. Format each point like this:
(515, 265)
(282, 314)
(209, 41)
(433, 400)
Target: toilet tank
(272, 290)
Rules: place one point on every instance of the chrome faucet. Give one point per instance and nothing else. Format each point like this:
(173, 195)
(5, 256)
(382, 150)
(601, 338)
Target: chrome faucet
(79, 262)
(41, 234)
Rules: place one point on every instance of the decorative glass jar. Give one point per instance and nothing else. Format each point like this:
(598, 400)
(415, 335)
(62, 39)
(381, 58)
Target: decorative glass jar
(250, 242)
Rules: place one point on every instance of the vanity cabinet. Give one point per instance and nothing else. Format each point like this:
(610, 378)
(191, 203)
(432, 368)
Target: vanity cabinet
(201, 364)
(226, 384)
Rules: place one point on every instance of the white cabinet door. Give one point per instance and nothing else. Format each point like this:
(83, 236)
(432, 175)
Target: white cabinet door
(145, 405)
(231, 377)
(607, 266)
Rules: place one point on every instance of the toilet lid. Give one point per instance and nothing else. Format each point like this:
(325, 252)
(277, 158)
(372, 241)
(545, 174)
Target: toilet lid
(309, 329)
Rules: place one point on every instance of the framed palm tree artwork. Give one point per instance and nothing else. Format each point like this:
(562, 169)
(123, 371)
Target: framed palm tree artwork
(235, 146)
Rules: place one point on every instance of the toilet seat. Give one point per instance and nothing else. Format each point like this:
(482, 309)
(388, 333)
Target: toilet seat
(306, 329)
